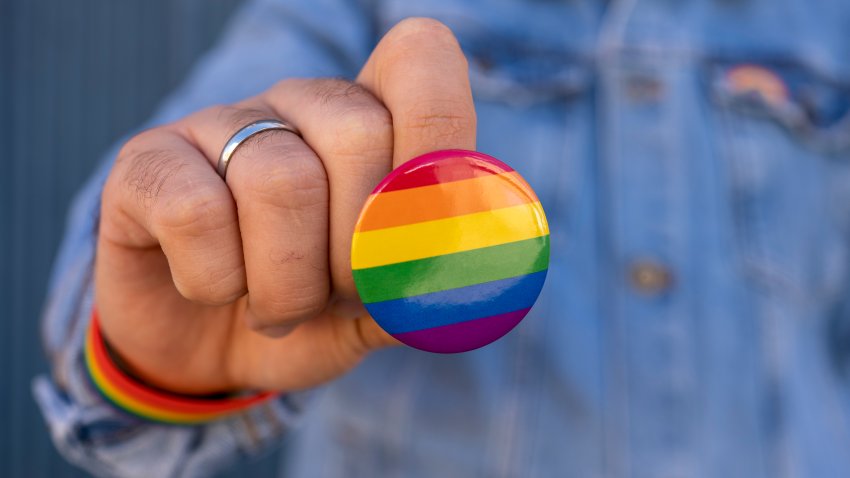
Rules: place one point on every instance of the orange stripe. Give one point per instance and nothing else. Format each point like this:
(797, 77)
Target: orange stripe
(439, 201)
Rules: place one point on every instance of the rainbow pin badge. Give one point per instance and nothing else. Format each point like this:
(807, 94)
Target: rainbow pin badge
(450, 251)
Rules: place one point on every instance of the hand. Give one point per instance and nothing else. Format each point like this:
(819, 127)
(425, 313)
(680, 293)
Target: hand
(205, 286)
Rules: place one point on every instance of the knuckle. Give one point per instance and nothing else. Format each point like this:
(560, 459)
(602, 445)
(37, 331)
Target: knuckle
(333, 90)
(145, 170)
(293, 181)
(273, 310)
(364, 130)
(194, 210)
(360, 123)
(213, 286)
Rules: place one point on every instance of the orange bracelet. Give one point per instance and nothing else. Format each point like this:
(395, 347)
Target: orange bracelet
(146, 402)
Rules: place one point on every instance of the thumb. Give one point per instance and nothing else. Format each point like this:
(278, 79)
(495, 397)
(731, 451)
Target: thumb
(421, 75)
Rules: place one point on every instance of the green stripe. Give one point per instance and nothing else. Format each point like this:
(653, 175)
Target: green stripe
(450, 271)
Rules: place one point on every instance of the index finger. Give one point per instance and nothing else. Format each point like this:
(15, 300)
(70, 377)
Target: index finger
(421, 75)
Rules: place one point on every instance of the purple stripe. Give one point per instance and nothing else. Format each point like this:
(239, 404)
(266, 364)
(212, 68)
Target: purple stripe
(463, 336)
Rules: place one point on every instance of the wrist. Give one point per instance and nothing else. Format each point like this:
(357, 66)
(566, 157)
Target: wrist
(142, 400)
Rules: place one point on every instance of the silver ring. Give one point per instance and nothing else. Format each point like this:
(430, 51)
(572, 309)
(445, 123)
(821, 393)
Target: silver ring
(243, 134)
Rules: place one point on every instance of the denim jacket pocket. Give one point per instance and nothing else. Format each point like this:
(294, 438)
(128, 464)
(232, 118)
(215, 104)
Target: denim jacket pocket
(783, 135)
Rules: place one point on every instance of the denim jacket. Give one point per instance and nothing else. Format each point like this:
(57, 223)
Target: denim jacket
(693, 158)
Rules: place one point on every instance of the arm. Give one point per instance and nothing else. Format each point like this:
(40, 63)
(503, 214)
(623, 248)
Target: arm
(267, 41)
(187, 309)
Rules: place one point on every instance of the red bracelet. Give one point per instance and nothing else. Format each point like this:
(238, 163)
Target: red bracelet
(143, 401)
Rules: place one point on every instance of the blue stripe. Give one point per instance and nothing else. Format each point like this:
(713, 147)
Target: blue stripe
(457, 305)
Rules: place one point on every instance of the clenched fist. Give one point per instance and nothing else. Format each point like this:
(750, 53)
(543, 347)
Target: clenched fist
(205, 285)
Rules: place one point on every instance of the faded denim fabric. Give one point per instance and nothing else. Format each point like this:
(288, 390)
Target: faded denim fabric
(696, 317)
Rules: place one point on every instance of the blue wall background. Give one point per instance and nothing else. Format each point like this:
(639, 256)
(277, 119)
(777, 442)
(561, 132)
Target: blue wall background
(74, 76)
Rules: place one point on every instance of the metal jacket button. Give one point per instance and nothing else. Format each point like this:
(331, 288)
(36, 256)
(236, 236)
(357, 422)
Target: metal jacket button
(650, 277)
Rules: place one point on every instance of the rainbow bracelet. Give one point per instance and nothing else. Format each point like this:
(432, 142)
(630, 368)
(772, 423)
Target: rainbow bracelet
(143, 401)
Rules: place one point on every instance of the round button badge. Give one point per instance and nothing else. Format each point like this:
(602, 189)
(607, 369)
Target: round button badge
(450, 251)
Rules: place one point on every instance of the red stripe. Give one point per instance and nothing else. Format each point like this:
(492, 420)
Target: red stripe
(441, 167)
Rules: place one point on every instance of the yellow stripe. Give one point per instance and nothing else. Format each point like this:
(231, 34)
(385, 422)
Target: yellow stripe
(135, 406)
(445, 236)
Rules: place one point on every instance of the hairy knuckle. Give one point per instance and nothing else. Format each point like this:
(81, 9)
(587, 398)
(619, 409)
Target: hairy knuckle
(333, 90)
(359, 122)
(144, 169)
